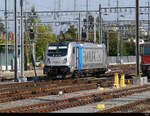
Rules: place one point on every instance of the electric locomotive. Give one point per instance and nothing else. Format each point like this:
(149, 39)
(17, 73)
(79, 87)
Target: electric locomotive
(75, 58)
(145, 58)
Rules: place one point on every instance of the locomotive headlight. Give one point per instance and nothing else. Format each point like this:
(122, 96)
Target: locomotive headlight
(65, 60)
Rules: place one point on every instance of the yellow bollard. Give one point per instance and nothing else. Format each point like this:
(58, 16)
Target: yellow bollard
(100, 106)
(128, 81)
(122, 80)
(116, 80)
(101, 89)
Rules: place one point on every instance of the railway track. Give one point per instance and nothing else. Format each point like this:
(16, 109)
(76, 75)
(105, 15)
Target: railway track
(39, 83)
(135, 107)
(120, 68)
(18, 91)
(13, 92)
(78, 101)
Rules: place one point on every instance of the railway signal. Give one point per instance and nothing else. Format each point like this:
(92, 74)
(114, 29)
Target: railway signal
(31, 33)
(83, 32)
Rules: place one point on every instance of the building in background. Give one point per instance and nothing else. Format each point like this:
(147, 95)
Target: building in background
(10, 51)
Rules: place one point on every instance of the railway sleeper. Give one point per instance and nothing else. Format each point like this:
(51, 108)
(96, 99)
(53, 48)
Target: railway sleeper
(110, 96)
(88, 101)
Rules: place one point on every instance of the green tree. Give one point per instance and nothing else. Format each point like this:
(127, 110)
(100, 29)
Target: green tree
(71, 33)
(112, 43)
(2, 29)
(129, 48)
(44, 35)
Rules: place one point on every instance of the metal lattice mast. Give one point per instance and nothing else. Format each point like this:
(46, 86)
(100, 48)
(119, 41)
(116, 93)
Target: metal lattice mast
(59, 4)
(137, 40)
(6, 48)
(22, 78)
(118, 40)
(87, 30)
(16, 43)
(54, 5)
(148, 20)
(75, 5)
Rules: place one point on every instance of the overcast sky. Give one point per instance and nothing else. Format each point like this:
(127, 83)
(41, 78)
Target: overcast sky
(69, 4)
(50, 5)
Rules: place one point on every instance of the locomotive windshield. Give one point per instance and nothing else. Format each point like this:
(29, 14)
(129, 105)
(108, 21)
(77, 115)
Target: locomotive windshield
(57, 49)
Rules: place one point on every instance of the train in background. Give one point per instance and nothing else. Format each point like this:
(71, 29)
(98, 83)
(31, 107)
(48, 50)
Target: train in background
(75, 59)
(145, 58)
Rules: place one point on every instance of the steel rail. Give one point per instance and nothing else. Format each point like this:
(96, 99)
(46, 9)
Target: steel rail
(80, 100)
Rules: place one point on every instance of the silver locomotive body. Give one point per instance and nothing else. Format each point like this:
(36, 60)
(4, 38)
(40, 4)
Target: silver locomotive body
(64, 58)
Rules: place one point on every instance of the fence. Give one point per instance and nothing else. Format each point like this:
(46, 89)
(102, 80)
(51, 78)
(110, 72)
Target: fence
(112, 60)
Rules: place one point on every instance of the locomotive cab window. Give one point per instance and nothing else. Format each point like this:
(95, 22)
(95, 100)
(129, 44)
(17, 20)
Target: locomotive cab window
(57, 50)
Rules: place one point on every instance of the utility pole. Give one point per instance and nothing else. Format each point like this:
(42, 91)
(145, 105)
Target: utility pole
(54, 9)
(22, 78)
(148, 21)
(26, 47)
(100, 24)
(121, 49)
(16, 43)
(118, 31)
(137, 40)
(94, 29)
(6, 45)
(75, 5)
(79, 27)
(107, 42)
(75, 8)
(87, 30)
(19, 36)
(59, 5)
